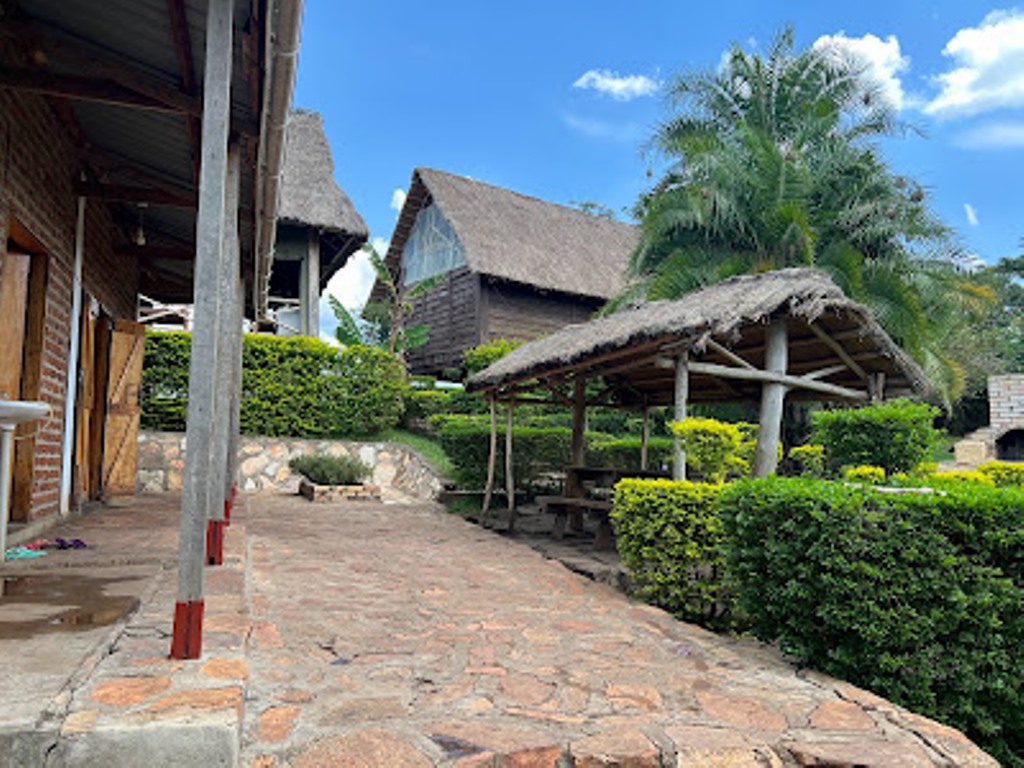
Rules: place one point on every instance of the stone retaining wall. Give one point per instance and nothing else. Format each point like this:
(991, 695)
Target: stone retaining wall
(264, 463)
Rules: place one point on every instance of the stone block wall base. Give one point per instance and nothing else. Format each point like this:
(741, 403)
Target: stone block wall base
(327, 494)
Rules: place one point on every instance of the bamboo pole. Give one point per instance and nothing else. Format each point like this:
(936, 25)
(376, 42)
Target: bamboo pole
(645, 435)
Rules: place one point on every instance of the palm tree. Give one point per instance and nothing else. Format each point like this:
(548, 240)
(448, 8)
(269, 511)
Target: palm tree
(772, 166)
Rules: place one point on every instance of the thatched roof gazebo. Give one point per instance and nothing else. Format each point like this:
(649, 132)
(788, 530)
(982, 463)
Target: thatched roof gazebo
(790, 333)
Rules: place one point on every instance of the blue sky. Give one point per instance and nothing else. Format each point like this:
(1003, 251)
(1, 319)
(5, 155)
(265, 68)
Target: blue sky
(556, 99)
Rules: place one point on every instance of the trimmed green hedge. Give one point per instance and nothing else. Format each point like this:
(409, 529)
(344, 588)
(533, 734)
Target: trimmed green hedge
(624, 452)
(669, 535)
(295, 387)
(534, 450)
(896, 435)
(917, 597)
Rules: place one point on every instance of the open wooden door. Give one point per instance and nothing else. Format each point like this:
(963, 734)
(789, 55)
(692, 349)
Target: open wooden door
(121, 430)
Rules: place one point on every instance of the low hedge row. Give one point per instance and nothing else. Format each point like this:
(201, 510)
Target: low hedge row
(669, 535)
(298, 387)
(917, 597)
(534, 450)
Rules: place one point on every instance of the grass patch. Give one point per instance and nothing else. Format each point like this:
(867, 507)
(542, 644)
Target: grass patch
(943, 448)
(426, 447)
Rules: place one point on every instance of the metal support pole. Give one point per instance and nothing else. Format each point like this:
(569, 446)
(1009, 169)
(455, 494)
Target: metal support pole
(74, 350)
(235, 399)
(682, 394)
(776, 354)
(227, 275)
(187, 638)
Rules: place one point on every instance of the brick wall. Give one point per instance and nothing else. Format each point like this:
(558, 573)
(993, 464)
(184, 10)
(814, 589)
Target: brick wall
(38, 166)
(1006, 401)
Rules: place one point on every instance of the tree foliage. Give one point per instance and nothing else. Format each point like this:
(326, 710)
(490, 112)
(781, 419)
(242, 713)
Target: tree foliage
(772, 165)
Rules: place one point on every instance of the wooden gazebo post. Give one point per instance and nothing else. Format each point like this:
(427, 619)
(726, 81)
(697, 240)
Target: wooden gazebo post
(492, 456)
(776, 354)
(510, 482)
(645, 436)
(682, 394)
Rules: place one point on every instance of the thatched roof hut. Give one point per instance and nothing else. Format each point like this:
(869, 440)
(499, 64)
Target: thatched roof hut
(311, 200)
(521, 239)
(835, 347)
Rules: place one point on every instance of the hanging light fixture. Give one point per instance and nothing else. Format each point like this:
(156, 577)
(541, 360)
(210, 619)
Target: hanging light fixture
(140, 232)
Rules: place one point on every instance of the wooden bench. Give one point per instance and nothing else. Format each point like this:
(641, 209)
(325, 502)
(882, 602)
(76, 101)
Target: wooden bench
(561, 506)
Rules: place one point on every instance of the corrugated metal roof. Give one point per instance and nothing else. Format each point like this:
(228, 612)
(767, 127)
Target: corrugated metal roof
(139, 35)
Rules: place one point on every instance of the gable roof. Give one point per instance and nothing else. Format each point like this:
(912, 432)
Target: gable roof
(310, 197)
(519, 238)
(732, 313)
(309, 193)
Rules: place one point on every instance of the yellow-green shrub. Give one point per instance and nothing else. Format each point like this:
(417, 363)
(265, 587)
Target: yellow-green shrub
(810, 459)
(670, 537)
(864, 474)
(963, 476)
(1004, 473)
(712, 447)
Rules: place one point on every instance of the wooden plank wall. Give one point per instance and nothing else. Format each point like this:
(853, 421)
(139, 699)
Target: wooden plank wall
(451, 312)
(514, 311)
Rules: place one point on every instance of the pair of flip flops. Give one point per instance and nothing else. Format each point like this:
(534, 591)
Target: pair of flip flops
(60, 543)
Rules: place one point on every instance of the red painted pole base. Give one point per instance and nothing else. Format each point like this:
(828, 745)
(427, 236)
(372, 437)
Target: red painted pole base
(187, 639)
(227, 509)
(215, 542)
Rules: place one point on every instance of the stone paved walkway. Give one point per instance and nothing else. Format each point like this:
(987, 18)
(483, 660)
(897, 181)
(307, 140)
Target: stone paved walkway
(384, 635)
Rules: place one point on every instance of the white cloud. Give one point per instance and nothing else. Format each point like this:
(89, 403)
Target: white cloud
(988, 67)
(604, 129)
(882, 58)
(619, 87)
(397, 199)
(971, 214)
(993, 136)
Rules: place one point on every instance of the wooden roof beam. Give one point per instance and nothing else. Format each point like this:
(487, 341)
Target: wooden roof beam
(131, 194)
(186, 70)
(836, 347)
(796, 382)
(100, 90)
(47, 43)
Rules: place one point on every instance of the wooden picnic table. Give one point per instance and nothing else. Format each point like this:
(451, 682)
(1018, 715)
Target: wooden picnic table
(587, 490)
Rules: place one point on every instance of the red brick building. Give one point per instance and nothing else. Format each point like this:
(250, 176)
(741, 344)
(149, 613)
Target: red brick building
(119, 122)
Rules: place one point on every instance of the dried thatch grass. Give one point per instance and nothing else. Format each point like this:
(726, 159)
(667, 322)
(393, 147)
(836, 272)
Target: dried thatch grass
(732, 312)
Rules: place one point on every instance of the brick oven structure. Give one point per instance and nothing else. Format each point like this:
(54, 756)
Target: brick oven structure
(1003, 438)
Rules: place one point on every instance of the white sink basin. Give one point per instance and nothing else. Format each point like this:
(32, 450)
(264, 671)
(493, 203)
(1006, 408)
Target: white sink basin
(14, 412)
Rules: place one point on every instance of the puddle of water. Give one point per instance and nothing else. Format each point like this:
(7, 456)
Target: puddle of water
(35, 605)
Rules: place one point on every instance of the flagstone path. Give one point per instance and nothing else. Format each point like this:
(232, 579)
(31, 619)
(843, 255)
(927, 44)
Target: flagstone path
(398, 635)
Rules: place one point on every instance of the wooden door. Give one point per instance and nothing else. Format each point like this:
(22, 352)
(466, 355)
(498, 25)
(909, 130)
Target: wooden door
(101, 373)
(85, 403)
(14, 269)
(121, 428)
(31, 388)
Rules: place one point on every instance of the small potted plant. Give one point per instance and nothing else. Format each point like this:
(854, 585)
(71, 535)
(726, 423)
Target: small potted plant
(333, 478)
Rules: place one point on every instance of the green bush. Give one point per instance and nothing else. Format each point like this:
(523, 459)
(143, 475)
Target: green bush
(164, 391)
(809, 459)
(1004, 473)
(534, 450)
(296, 387)
(897, 435)
(670, 537)
(476, 359)
(624, 452)
(917, 597)
(330, 470)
